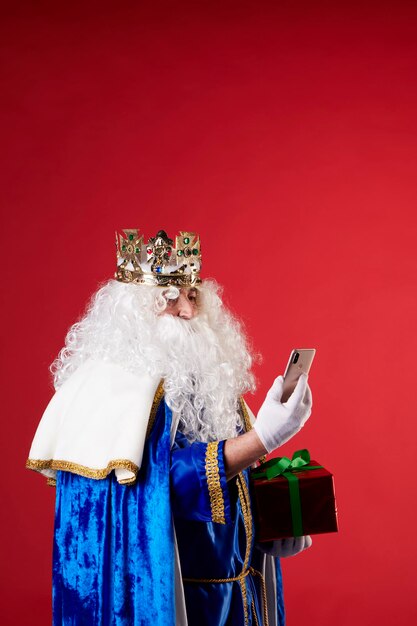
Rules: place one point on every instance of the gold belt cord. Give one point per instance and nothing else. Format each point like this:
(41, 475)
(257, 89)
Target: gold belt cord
(240, 579)
(247, 519)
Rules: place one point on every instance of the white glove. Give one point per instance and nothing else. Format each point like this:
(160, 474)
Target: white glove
(277, 422)
(285, 547)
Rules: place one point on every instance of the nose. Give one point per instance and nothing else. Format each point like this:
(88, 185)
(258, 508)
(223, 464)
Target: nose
(185, 308)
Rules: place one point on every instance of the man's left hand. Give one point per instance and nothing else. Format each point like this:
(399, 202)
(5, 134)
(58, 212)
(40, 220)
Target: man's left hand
(289, 546)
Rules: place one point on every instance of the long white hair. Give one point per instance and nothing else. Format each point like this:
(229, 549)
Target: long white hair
(205, 362)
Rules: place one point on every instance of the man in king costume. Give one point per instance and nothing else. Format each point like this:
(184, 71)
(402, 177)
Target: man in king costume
(149, 443)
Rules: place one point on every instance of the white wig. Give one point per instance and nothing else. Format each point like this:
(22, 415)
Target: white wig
(205, 362)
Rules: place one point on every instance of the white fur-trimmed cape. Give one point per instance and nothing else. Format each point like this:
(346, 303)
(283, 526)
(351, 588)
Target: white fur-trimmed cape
(96, 422)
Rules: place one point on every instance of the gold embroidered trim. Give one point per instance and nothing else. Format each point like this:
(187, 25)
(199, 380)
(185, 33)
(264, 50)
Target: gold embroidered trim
(244, 593)
(247, 423)
(247, 522)
(245, 416)
(67, 466)
(213, 482)
(155, 406)
(247, 516)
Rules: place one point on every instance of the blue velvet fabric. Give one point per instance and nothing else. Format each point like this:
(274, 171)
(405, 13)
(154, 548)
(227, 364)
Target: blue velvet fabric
(113, 557)
(190, 494)
(280, 594)
(211, 550)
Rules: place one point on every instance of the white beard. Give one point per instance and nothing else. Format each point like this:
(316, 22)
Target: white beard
(205, 362)
(199, 378)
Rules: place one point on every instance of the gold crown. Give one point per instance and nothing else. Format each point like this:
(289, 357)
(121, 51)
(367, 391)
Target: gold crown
(158, 262)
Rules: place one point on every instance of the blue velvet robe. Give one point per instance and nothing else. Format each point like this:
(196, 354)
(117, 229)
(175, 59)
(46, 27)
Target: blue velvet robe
(113, 555)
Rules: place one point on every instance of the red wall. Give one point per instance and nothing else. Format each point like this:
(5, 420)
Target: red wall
(286, 135)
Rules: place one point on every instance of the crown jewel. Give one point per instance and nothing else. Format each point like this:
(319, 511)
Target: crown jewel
(158, 262)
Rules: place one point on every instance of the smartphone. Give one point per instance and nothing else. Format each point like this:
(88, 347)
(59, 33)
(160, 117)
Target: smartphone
(299, 363)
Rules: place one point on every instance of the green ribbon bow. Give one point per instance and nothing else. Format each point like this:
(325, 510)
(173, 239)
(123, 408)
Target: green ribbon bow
(283, 466)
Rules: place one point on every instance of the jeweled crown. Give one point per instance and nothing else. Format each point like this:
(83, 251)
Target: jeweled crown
(158, 262)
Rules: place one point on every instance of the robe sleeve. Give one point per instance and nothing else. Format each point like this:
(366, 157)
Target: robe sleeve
(199, 488)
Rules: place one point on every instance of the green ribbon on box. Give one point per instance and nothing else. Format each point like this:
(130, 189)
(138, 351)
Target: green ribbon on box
(283, 466)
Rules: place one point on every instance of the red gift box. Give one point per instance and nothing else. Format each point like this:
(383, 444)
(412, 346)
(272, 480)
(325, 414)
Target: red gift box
(276, 509)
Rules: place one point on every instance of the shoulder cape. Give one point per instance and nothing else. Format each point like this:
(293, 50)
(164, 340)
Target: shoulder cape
(96, 422)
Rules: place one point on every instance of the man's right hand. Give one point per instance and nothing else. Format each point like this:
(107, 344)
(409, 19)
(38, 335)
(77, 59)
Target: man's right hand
(277, 422)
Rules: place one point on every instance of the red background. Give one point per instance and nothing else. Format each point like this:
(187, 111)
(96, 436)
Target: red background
(284, 133)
